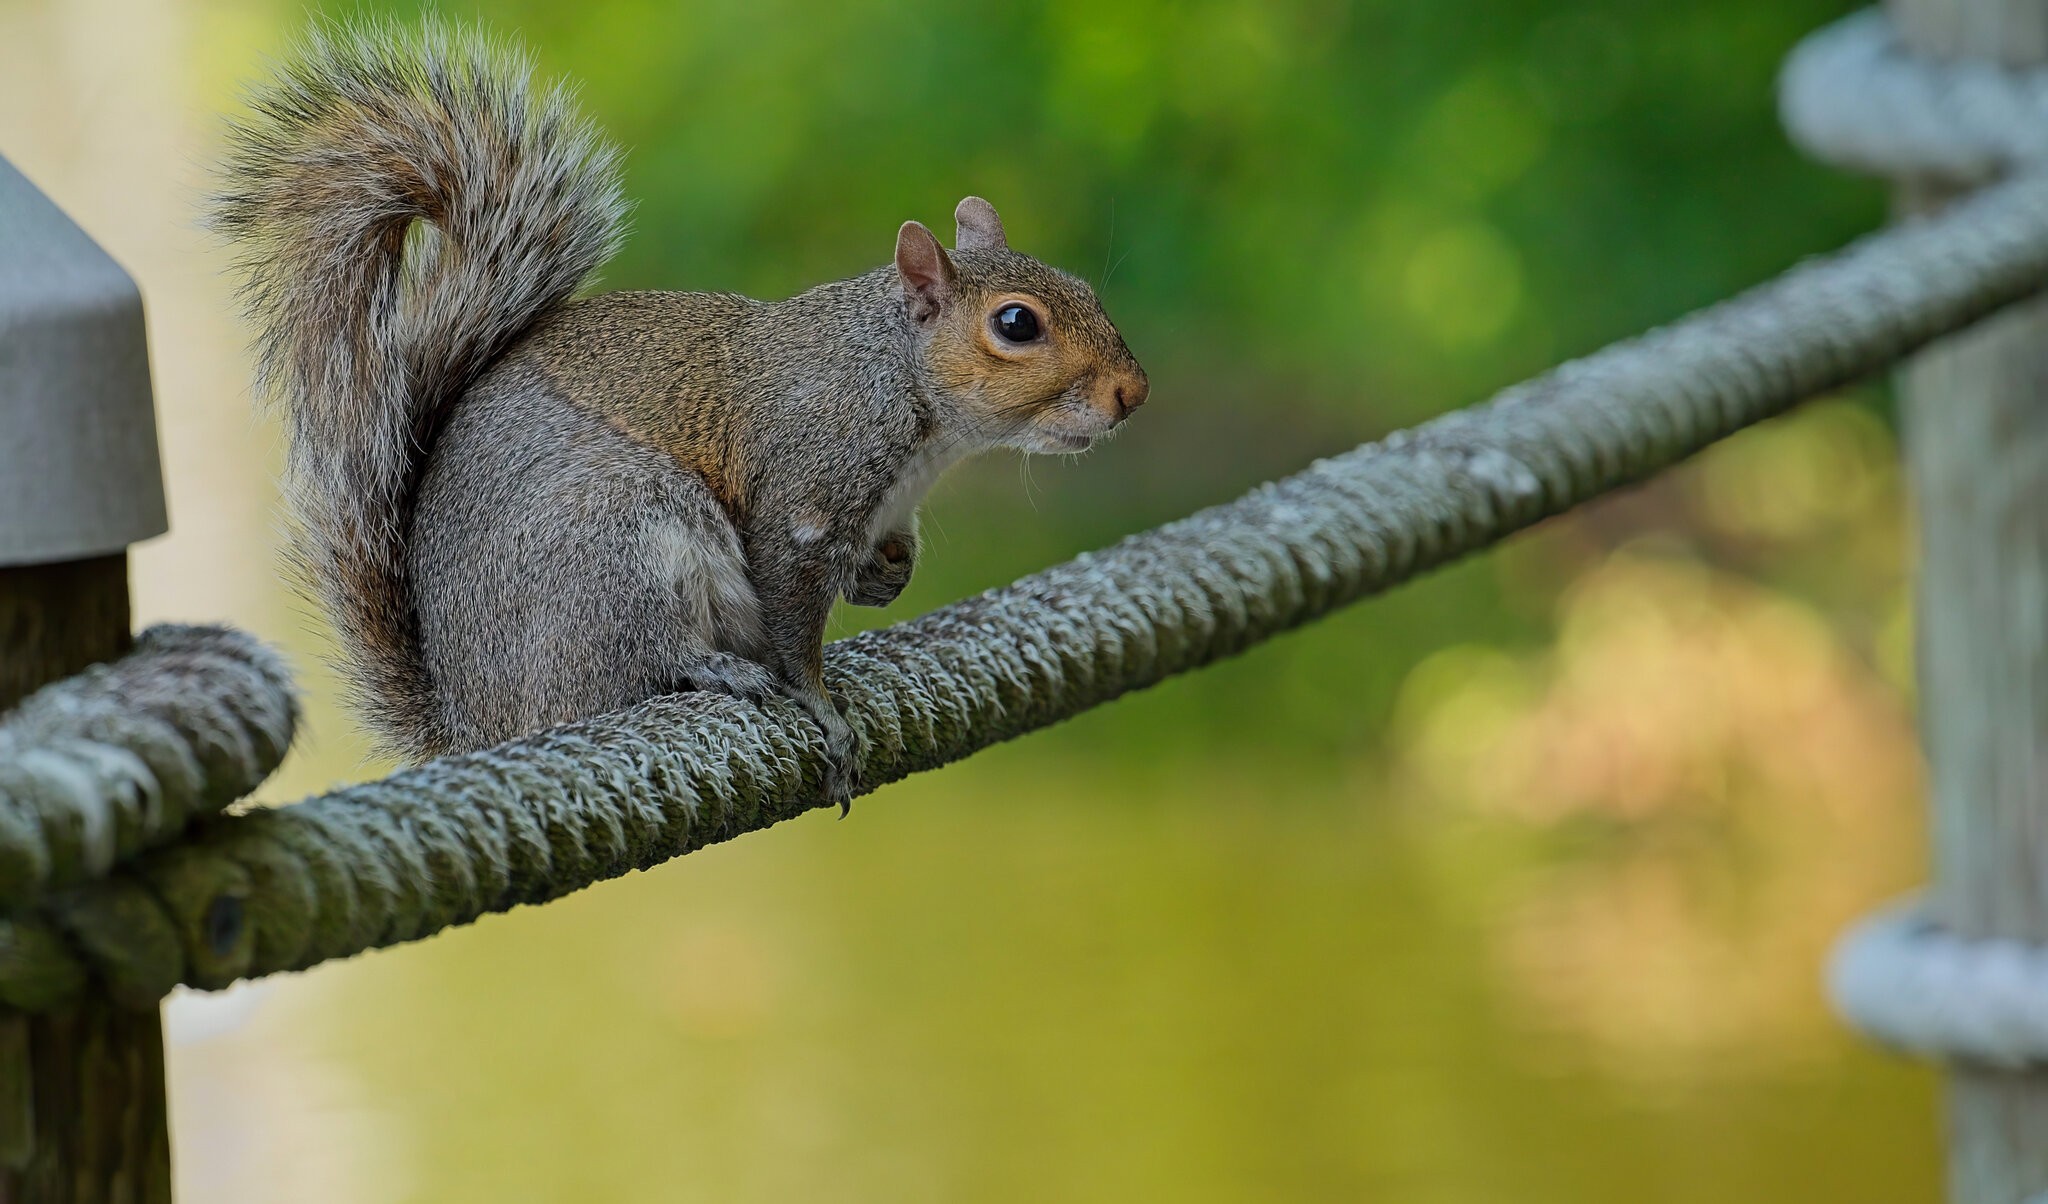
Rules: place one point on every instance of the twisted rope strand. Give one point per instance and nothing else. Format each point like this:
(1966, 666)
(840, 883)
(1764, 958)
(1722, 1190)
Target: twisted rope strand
(1852, 95)
(1903, 979)
(395, 860)
(120, 758)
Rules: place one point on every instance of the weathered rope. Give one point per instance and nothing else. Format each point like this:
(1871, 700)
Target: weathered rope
(95, 769)
(119, 759)
(1852, 95)
(1906, 981)
(395, 860)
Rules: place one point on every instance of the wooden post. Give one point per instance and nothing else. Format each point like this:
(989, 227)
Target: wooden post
(82, 1107)
(1976, 420)
(83, 1117)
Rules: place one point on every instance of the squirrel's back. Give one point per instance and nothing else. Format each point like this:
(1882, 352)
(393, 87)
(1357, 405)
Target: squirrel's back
(659, 366)
(406, 205)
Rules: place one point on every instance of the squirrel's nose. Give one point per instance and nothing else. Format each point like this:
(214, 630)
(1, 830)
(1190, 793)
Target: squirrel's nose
(1131, 393)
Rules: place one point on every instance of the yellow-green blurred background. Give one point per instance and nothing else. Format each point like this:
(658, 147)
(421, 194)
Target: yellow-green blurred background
(1511, 886)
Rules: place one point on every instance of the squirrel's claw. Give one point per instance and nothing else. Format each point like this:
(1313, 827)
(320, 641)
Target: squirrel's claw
(841, 751)
(842, 772)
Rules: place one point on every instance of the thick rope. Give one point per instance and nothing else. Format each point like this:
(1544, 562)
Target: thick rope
(95, 769)
(396, 860)
(1854, 96)
(1906, 981)
(119, 759)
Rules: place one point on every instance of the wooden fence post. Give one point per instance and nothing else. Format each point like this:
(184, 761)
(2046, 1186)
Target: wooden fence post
(83, 1118)
(1976, 420)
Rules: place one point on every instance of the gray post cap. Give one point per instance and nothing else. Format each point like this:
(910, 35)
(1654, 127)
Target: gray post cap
(79, 474)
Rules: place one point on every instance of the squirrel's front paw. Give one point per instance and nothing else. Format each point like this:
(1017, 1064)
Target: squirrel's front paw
(886, 571)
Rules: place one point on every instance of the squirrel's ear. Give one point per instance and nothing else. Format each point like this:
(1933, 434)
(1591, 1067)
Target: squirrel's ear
(978, 227)
(927, 274)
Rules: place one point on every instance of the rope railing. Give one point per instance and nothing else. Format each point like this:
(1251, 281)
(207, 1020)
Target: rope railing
(395, 860)
(1853, 95)
(124, 756)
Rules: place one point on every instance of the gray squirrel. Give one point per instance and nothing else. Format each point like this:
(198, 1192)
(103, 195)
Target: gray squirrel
(520, 509)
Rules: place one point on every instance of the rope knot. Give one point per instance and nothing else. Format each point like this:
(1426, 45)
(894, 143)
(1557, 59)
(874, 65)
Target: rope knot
(1907, 981)
(99, 769)
(1852, 95)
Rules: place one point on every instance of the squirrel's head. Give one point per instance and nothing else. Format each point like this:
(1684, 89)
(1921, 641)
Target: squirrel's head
(1022, 351)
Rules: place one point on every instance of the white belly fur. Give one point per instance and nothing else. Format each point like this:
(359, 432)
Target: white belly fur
(708, 572)
(925, 467)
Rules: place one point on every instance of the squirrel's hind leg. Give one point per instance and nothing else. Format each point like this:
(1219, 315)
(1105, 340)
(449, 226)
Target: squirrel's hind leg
(714, 631)
(722, 673)
(562, 570)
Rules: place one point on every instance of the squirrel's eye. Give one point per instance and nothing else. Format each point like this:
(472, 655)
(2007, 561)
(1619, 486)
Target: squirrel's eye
(1016, 323)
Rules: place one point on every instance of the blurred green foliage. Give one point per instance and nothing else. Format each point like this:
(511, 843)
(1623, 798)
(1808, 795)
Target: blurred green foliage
(1315, 221)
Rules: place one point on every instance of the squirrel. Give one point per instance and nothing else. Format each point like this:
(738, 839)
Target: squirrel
(520, 508)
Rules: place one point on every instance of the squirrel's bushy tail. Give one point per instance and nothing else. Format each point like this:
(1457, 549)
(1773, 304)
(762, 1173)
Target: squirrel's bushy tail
(405, 204)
